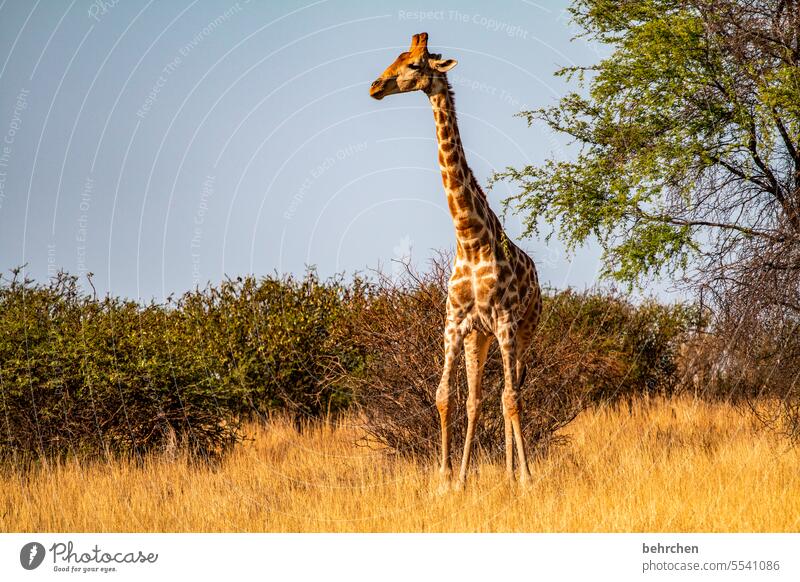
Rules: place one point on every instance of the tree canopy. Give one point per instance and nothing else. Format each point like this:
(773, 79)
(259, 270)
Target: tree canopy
(688, 138)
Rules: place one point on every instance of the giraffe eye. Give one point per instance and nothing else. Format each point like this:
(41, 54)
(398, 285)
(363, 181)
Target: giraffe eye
(413, 66)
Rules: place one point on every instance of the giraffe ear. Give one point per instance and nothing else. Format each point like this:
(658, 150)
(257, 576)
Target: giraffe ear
(442, 65)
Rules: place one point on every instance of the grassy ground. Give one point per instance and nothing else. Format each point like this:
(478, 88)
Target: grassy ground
(668, 466)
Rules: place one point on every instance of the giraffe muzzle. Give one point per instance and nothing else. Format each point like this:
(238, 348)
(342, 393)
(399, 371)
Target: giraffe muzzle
(383, 86)
(376, 89)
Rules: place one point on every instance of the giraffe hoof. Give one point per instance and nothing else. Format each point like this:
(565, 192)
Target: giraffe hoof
(445, 483)
(444, 488)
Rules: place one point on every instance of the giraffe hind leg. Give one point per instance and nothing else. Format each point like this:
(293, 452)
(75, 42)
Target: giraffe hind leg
(444, 397)
(476, 346)
(523, 342)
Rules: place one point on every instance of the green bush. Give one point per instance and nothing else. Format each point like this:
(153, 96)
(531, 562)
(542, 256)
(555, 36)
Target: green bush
(276, 343)
(619, 349)
(84, 375)
(89, 376)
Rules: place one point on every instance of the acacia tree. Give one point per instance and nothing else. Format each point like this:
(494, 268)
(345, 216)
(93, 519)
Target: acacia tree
(689, 138)
(688, 160)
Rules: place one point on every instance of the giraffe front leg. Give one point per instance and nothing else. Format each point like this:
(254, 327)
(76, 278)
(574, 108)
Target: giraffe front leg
(444, 398)
(476, 346)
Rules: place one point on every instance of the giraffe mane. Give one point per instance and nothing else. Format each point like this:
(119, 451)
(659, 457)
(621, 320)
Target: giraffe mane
(452, 97)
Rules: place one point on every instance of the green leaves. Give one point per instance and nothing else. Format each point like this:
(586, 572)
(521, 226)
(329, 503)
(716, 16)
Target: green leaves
(650, 247)
(94, 376)
(695, 114)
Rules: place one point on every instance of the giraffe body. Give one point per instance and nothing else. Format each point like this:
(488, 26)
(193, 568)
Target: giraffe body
(493, 291)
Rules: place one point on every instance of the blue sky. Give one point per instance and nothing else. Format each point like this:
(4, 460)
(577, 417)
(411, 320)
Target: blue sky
(161, 145)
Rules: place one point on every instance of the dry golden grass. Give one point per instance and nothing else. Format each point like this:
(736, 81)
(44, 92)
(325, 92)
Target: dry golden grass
(668, 466)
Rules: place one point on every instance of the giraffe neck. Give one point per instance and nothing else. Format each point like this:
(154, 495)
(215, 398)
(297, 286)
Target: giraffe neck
(468, 205)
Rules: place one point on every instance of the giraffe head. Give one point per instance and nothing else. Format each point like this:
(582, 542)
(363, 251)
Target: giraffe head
(414, 70)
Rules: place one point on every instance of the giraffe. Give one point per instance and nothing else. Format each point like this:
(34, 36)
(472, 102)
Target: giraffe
(493, 292)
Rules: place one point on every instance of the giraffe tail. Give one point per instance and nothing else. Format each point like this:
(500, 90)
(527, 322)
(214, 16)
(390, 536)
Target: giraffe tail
(522, 377)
